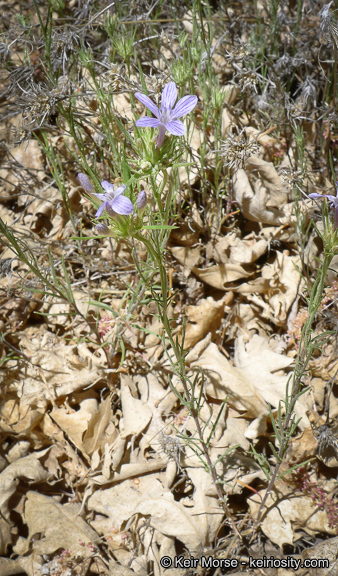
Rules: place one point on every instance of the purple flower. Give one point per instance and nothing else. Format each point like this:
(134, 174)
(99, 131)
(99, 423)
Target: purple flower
(113, 201)
(332, 199)
(167, 117)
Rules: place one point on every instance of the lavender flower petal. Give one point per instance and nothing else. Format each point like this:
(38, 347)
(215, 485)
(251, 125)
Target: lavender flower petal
(119, 190)
(332, 199)
(147, 122)
(315, 196)
(184, 106)
(148, 103)
(169, 96)
(176, 127)
(107, 186)
(85, 182)
(102, 197)
(122, 205)
(100, 210)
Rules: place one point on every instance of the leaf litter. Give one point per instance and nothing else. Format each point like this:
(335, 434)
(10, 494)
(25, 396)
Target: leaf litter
(100, 469)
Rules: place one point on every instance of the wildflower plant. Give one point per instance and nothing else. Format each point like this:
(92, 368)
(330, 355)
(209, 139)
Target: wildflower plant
(128, 219)
(128, 165)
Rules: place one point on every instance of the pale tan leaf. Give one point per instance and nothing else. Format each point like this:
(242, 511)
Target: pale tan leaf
(120, 501)
(28, 468)
(284, 516)
(220, 275)
(265, 367)
(75, 423)
(204, 318)
(253, 200)
(171, 519)
(224, 380)
(95, 437)
(59, 525)
(136, 413)
(186, 256)
(5, 536)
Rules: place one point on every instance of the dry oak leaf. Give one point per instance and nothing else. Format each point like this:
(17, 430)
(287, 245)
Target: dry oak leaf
(28, 468)
(279, 284)
(5, 536)
(265, 368)
(99, 429)
(63, 368)
(28, 158)
(186, 256)
(224, 380)
(327, 549)
(172, 519)
(9, 567)
(59, 525)
(204, 507)
(248, 250)
(120, 501)
(253, 200)
(284, 280)
(75, 423)
(136, 413)
(58, 312)
(235, 250)
(287, 513)
(203, 318)
(220, 275)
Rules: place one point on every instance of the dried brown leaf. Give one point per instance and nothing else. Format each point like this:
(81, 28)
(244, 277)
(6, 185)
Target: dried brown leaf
(96, 437)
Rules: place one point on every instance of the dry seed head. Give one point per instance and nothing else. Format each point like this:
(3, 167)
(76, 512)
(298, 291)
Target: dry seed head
(21, 134)
(39, 103)
(237, 54)
(291, 177)
(164, 38)
(116, 80)
(237, 148)
(171, 446)
(247, 80)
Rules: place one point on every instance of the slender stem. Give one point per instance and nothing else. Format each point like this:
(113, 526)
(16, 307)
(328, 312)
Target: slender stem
(303, 358)
(181, 372)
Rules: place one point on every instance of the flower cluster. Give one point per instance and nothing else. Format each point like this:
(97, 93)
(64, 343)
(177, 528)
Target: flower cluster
(113, 200)
(115, 203)
(320, 498)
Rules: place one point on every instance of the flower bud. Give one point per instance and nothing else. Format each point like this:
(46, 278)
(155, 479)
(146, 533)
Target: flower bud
(141, 201)
(85, 182)
(102, 229)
